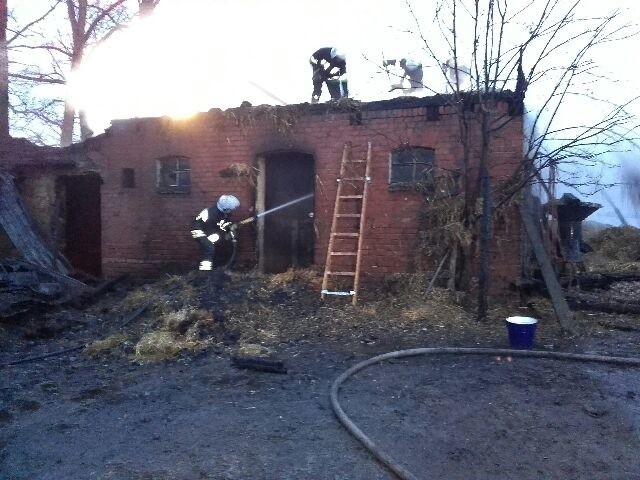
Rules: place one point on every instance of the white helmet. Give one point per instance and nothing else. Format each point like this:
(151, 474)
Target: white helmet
(337, 53)
(227, 203)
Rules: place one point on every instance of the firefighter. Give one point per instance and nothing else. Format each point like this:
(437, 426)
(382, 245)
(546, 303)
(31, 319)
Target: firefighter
(411, 69)
(212, 226)
(329, 66)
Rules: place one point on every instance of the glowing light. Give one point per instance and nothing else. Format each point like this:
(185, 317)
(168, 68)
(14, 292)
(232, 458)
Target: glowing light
(193, 55)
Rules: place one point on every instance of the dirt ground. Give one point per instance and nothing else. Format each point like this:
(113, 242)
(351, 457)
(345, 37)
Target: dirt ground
(158, 398)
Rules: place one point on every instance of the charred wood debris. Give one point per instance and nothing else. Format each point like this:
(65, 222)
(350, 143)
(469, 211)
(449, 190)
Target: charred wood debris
(40, 278)
(599, 292)
(25, 286)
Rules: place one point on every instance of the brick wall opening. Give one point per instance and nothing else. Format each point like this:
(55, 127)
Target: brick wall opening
(83, 230)
(288, 232)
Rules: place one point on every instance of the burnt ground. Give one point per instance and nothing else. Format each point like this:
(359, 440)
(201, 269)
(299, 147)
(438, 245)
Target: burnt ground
(121, 409)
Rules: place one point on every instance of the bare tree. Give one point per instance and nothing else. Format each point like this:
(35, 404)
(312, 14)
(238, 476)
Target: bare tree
(4, 73)
(58, 53)
(486, 40)
(88, 22)
(13, 34)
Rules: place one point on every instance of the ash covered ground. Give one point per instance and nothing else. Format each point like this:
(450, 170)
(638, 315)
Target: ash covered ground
(158, 397)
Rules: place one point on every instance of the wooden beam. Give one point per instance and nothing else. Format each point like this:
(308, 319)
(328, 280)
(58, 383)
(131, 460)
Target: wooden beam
(560, 305)
(261, 189)
(21, 230)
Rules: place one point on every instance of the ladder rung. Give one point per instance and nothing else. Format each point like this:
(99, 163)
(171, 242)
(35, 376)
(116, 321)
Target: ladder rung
(345, 234)
(350, 196)
(343, 274)
(344, 253)
(348, 215)
(356, 161)
(361, 179)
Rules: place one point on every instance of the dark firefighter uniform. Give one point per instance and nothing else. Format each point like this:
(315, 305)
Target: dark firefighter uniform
(328, 66)
(210, 228)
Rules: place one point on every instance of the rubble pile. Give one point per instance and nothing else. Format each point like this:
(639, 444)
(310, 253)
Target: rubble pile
(24, 286)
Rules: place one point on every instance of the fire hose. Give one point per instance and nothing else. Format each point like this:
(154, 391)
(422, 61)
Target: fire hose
(385, 458)
(234, 241)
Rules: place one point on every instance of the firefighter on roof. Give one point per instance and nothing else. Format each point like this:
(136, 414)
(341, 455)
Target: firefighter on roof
(329, 66)
(411, 69)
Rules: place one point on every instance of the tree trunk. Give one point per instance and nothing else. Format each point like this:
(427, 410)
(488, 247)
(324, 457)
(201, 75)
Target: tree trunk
(4, 73)
(78, 21)
(85, 130)
(484, 273)
(464, 250)
(68, 120)
(453, 266)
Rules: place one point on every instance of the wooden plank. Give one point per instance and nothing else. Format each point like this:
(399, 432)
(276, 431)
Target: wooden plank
(560, 305)
(259, 364)
(260, 207)
(363, 212)
(21, 230)
(336, 208)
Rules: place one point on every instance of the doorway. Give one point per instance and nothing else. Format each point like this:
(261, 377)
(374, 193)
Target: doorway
(83, 224)
(286, 236)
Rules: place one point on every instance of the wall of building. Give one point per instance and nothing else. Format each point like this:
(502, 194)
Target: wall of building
(39, 194)
(144, 231)
(36, 171)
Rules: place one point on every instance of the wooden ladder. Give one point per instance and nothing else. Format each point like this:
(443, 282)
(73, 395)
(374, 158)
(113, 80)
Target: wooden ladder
(344, 253)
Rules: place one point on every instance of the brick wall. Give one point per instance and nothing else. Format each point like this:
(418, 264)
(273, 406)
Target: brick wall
(143, 231)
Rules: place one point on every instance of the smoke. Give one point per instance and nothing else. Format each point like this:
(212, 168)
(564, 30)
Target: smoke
(630, 179)
(193, 55)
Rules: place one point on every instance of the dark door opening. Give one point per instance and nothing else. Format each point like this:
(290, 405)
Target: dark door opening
(289, 235)
(83, 224)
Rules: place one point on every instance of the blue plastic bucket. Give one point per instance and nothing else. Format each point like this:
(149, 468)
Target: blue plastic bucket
(522, 331)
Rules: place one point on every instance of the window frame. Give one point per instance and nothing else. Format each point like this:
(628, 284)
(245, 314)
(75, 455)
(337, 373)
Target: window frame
(395, 185)
(181, 170)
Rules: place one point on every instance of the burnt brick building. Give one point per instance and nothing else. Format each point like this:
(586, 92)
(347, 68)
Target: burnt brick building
(157, 173)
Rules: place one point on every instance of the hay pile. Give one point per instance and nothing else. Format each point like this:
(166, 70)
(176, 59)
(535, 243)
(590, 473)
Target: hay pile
(616, 249)
(185, 329)
(260, 315)
(618, 243)
(106, 345)
(162, 297)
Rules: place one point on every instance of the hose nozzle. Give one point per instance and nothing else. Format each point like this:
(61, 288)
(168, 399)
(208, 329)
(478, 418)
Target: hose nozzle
(247, 221)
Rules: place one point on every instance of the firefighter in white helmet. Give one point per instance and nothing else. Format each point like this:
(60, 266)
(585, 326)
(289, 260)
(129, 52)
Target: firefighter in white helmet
(329, 66)
(212, 226)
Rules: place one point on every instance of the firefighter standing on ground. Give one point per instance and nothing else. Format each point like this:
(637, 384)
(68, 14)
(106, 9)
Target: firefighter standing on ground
(330, 67)
(212, 226)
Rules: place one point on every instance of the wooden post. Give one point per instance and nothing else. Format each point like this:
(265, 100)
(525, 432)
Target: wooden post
(560, 305)
(260, 205)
